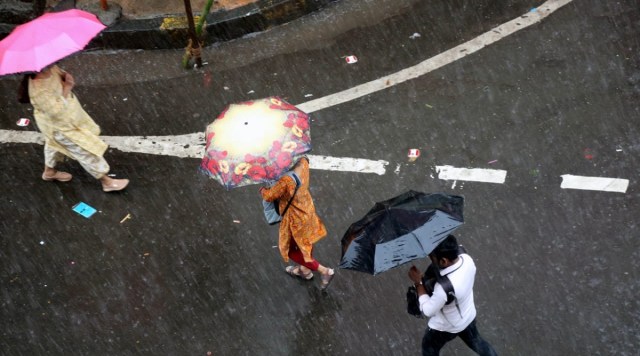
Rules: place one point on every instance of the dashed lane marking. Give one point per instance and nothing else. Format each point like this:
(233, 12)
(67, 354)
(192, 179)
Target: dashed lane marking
(346, 164)
(192, 146)
(472, 174)
(594, 183)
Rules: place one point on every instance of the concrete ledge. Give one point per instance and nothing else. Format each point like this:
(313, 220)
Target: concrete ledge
(220, 25)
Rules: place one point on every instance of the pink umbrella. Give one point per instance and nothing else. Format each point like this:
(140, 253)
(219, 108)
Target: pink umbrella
(46, 39)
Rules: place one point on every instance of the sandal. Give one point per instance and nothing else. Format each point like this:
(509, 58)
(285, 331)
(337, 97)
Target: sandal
(59, 176)
(327, 278)
(115, 185)
(295, 271)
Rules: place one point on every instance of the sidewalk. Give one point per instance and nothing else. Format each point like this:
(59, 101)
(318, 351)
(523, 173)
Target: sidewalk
(142, 27)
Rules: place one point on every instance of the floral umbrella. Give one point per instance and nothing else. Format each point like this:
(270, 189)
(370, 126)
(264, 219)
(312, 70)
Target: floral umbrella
(255, 142)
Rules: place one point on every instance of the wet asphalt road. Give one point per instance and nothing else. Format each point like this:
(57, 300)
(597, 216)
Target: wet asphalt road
(196, 270)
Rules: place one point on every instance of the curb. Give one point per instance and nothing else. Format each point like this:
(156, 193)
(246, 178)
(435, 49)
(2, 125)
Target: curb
(154, 33)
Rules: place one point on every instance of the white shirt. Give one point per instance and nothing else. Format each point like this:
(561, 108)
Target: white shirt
(447, 317)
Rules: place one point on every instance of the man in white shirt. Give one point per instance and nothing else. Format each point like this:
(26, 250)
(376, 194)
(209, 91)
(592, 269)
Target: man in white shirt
(448, 320)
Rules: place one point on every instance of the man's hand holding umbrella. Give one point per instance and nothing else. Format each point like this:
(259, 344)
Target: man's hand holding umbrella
(68, 84)
(416, 277)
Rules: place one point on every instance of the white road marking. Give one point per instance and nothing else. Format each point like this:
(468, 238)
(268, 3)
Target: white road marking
(185, 146)
(471, 174)
(437, 61)
(13, 136)
(346, 164)
(594, 183)
(192, 145)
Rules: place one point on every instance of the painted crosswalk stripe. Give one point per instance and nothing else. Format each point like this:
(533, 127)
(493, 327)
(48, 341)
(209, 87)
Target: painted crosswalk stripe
(604, 184)
(472, 174)
(192, 146)
(346, 164)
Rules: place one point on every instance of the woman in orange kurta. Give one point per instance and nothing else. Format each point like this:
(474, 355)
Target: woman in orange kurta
(300, 227)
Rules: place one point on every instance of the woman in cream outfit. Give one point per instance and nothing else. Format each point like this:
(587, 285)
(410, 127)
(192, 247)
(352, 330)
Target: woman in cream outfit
(68, 129)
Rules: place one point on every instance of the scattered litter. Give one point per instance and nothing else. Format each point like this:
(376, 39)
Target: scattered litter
(23, 122)
(250, 92)
(351, 59)
(588, 154)
(397, 169)
(414, 153)
(429, 106)
(111, 175)
(618, 149)
(492, 162)
(414, 36)
(147, 254)
(84, 209)
(125, 99)
(41, 242)
(73, 262)
(125, 218)
(308, 95)
(274, 246)
(225, 88)
(236, 221)
(533, 9)
(207, 78)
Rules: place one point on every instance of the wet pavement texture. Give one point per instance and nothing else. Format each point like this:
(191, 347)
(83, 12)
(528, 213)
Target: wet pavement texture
(196, 270)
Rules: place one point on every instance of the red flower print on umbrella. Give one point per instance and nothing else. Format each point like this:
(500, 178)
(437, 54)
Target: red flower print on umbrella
(255, 142)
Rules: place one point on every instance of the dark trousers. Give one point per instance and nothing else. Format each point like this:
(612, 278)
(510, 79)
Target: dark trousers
(434, 340)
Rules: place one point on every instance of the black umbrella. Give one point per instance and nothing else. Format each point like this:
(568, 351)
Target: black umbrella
(399, 230)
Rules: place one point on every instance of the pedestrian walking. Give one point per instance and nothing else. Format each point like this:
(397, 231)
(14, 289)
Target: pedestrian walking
(67, 128)
(300, 227)
(449, 317)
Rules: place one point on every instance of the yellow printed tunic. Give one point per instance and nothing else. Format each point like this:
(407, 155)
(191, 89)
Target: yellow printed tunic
(55, 113)
(300, 222)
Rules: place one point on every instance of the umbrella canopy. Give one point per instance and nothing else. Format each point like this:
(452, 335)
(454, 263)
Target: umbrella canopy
(255, 142)
(399, 230)
(46, 39)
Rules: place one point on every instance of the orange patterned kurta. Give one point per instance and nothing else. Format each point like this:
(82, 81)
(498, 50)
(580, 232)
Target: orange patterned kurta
(301, 221)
